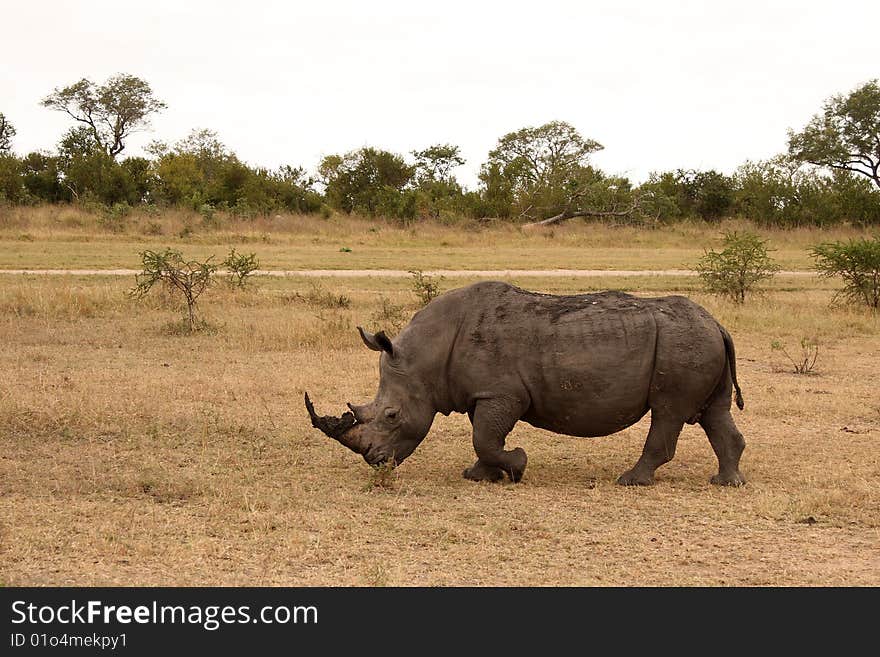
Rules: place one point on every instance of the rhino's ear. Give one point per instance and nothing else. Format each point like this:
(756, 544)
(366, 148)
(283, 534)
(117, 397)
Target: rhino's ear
(377, 342)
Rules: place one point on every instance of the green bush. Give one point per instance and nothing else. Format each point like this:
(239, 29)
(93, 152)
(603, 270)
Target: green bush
(425, 287)
(240, 267)
(857, 262)
(738, 268)
(11, 187)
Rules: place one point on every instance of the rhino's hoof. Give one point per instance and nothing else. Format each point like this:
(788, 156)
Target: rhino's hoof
(479, 471)
(633, 478)
(732, 479)
(516, 464)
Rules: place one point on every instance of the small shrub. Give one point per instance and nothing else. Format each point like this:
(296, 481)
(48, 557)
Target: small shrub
(381, 476)
(334, 322)
(243, 209)
(115, 218)
(240, 267)
(152, 228)
(345, 249)
(187, 278)
(389, 316)
(857, 262)
(426, 287)
(737, 269)
(320, 297)
(208, 213)
(805, 362)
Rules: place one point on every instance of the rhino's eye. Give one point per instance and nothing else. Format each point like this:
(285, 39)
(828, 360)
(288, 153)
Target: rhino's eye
(391, 413)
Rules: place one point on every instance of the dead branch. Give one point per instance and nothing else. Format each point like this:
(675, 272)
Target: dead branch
(569, 213)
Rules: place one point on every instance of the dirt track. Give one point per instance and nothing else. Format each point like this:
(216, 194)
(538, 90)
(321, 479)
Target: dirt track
(401, 273)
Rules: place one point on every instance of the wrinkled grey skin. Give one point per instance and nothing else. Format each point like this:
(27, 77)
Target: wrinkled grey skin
(585, 365)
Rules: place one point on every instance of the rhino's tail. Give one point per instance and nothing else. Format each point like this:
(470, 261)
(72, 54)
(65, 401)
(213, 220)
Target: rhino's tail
(731, 360)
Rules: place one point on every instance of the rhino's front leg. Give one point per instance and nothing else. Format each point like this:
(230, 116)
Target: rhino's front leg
(493, 419)
(479, 471)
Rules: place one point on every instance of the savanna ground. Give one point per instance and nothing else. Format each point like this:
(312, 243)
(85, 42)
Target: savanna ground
(131, 453)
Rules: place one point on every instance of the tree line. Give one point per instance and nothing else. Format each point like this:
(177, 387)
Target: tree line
(540, 174)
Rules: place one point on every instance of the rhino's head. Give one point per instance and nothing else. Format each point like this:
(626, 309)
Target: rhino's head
(391, 426)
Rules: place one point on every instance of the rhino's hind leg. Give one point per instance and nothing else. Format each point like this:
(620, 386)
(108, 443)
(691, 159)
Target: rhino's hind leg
(493, 419)
(727, 442)
(659, 449)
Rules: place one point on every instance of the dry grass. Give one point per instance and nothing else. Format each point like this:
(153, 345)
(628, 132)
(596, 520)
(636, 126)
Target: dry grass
(68, 237)
(130, 456)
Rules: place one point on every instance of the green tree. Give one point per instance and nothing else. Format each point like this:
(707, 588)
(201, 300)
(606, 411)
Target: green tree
(41, 177)
(845, 135)
(665, 192)
(200, 172)
(784, 192)
(195, 171)
(7, 132)
(436, 163)
(708, 195)
(767, 192)
(11, 187)
(110, 112)
(439, 195)
(712, 194)
(496, 197)
(370, 181)
(87, 171)
(543, 169)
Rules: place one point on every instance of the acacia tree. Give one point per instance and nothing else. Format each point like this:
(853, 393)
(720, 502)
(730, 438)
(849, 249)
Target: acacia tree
(189, 278)
(111, 111)
(7, 132)
(845, 135)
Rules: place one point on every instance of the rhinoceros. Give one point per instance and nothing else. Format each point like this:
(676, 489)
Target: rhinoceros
(584, 365)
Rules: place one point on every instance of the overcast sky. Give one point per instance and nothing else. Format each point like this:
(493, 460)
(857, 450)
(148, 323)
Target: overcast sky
(661, 84)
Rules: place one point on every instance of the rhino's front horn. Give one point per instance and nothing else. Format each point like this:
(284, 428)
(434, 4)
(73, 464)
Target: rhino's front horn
(342, 429)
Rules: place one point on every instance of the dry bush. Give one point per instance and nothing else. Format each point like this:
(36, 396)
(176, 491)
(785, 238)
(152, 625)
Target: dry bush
(388, 316)
(318, 296)
(804, 361)
(426, 288)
